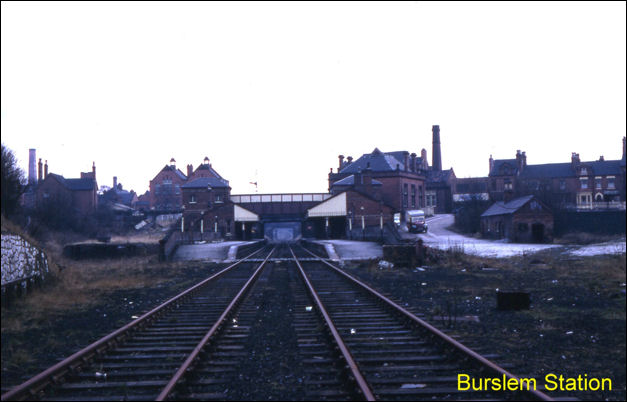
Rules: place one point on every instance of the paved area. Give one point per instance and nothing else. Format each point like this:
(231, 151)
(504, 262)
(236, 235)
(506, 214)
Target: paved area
(352, 250)
(214, 252)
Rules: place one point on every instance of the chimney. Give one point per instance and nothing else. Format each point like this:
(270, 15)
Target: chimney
(31, 166)
(437, 155)
(423, 156)
(524, 159)
(349, 159)
(491, 164)
(601, 159)
(406, 160)
(173, 162)
(574, 159)
(413, 162)
(115, 182)
(39, 170)
(190, 170)
(93, 169)
(518, 160)
(206, 161)
(46, 169)
(341, 162)
(623, 147)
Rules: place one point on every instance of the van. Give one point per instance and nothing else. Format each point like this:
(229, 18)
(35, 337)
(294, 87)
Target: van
(415, 220)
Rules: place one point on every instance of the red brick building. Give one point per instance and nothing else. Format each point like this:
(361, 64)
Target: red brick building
(165, 189)
(581, 185)
(80, 194)
(525, 219)
(402, 180)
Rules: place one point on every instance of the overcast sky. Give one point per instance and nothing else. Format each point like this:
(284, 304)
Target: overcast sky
(275, 92)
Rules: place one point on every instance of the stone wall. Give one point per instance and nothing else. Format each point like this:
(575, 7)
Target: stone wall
(21, 260)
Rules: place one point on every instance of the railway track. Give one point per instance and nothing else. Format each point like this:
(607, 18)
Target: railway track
(392, 353)
(145, 359)
(278, 324)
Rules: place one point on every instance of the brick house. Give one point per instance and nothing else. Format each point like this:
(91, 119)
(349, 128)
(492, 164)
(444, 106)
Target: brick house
(80, 193)
(165, 189)
(401, 179)
(576, 185)
(523, 220)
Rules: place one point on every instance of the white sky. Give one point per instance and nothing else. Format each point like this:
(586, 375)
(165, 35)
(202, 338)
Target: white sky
(279, 90)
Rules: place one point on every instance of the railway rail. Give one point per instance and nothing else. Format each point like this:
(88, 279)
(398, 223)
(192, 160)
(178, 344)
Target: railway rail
(392, 353)
(146, 358)
(338, 338)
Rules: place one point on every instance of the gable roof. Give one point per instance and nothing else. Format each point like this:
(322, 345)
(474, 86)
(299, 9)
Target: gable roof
(205, 182)
(507, 208)
(441, 176)
(504, 163)
(173, 169)
(207, 166)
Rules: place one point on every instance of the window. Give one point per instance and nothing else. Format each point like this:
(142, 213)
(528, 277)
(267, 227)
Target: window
(583, 171)
(597, 183)
(508, 184)
(583, 183)
(562, 184)
(192, 199)
(413, 196)
(405, 195)
(610, 182)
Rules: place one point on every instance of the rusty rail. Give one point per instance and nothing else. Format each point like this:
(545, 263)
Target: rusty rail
(434, 331)
(54, 373)
(190, 359)
(359, 378)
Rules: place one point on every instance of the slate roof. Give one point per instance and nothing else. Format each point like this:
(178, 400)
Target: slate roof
(350, 180)
(75, 184)
(205, 182)
(495, 171)
(549, 170)
(506, 208)
(377, 161)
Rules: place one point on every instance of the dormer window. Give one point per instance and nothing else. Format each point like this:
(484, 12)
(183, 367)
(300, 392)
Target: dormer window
(583, 171)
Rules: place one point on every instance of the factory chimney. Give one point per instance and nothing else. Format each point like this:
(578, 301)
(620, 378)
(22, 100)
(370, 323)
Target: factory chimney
(46, 169)
(437, 155)
(39, 171)
(31, 166)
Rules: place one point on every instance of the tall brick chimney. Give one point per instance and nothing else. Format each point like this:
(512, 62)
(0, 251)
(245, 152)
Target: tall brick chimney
(115, 182)
(341, 162)
(190, 170)
(46, 169)
(491, 164)
(39, 170)
(93, 169)
(437, 154)
(32, 156)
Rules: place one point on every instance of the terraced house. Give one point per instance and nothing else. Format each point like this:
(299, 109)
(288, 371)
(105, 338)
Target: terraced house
(575, 185)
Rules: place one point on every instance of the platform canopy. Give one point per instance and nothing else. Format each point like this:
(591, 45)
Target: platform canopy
(244, 215)
(335, 206)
